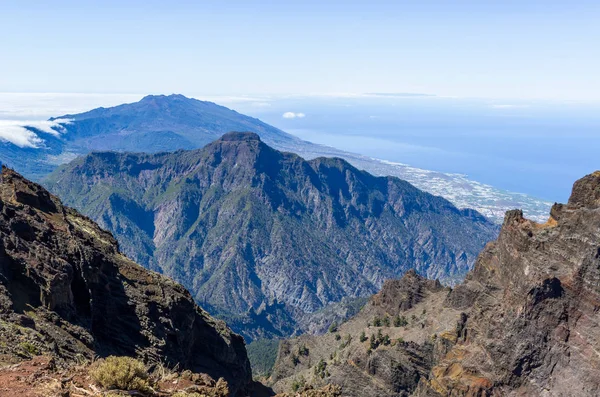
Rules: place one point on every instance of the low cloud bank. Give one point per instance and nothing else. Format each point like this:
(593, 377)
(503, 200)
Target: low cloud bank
(26, 134)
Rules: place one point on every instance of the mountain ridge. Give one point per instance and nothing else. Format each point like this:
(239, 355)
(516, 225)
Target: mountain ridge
(238, 212)
(167, 123)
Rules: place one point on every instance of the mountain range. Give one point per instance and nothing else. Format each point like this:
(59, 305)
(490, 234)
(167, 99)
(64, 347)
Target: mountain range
(166, 123)
(157, 123)
(263, 237)
(523, 323)
(76, 313)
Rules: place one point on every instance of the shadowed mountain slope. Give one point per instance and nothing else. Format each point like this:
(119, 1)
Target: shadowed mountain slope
(67, 291)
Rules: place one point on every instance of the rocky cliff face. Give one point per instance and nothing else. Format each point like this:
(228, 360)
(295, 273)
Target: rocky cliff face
(384, 350)
(524, 322)
(67, 291)
(265, 237)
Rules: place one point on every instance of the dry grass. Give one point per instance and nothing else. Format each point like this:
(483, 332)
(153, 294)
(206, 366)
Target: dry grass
(220, 389)
(309, 391)
(163, 373)
(122, 373)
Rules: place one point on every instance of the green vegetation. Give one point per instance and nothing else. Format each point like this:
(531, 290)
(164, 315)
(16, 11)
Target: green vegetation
(346, 341)
(303, 350)
(29, 348)
(380, 339)
(106, 187)
(337, 337)
(386, 340)
(386, 321)
(123, 373)
(381, 322)
(262, 354)
(295, 359)
(363, 337)
(333, 327)
(298, 384)
(400, 321)
(321, 369)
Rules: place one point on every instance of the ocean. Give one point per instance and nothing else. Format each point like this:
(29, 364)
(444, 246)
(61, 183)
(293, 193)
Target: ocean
(535, 147)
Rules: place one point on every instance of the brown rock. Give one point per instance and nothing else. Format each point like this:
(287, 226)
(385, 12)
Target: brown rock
(67, 291)
(525, 322)
(586, 191)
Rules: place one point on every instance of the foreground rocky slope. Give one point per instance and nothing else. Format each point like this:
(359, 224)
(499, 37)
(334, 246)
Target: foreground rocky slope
(524, 323)
(67, 292)
(264, 237)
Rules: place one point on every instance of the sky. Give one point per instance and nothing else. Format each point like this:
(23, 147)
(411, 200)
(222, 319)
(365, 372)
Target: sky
(483, 49)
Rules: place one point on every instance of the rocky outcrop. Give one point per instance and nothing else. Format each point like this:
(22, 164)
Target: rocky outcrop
(403, 294)
(532, 306)
(523, 323)
(67, 291)
(384, 350)
(264, 237)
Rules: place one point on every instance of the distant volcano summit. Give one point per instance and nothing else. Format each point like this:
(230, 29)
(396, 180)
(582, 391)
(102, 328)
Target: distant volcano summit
(157, 123)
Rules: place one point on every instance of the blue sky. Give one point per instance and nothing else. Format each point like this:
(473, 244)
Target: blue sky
(503, 49)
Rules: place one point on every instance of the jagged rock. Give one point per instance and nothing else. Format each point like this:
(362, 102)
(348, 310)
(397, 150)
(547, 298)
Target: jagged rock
(391, 346)
(523, 323)
(586, 191)
(403, 294)
(67, 291)
(533, 306)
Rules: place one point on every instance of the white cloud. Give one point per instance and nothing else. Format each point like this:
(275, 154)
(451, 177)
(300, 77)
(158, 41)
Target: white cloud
(14, 131)
(54, 127)
(16, 134)
(292, 115)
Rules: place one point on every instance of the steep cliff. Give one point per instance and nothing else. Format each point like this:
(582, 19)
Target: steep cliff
(523, 323)
(66, 291)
